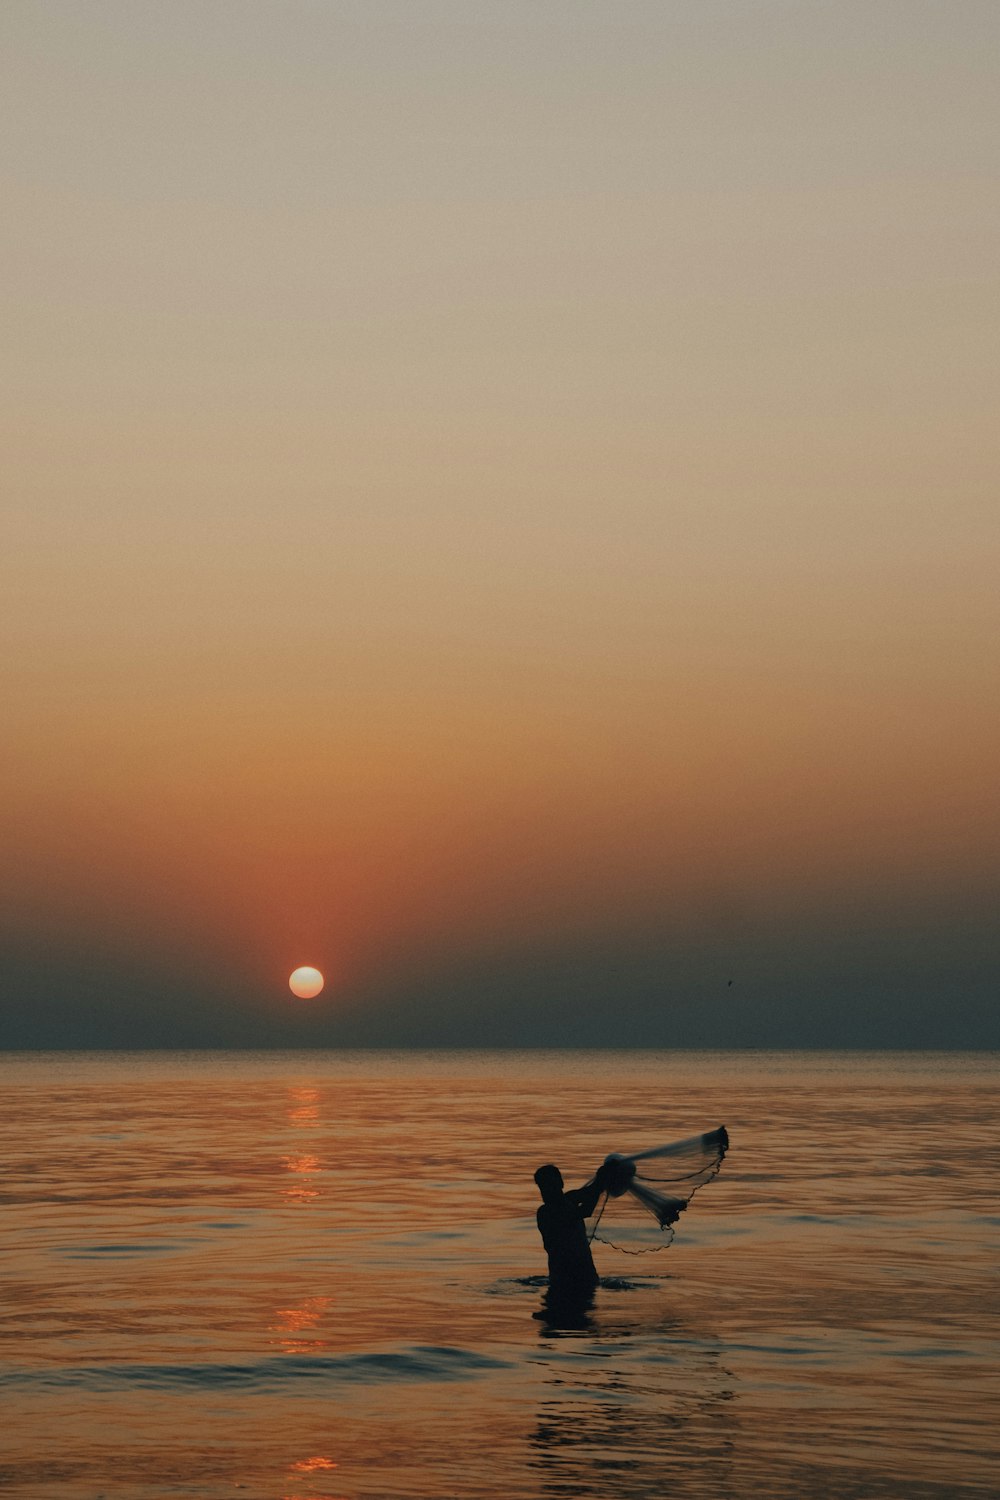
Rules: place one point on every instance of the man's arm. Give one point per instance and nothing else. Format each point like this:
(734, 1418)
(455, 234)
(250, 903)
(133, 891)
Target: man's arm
(586, 1197)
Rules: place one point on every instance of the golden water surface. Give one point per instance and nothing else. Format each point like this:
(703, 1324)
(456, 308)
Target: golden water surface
(295, 1275)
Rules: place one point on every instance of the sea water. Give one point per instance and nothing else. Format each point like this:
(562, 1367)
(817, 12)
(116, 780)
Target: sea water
(291, 1275)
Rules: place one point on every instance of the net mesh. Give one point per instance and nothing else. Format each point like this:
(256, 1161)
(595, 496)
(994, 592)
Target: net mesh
(647, 1191)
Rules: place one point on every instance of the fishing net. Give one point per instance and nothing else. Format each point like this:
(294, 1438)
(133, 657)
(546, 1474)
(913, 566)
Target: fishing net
(654, 1185)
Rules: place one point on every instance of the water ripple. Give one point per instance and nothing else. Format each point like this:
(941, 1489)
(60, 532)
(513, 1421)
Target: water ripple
(419, 1363)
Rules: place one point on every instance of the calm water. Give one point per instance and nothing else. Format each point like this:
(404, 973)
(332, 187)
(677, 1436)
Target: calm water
(309, 1275)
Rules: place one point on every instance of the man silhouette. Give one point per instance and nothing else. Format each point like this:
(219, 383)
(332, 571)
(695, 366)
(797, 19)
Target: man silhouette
(560, 1218)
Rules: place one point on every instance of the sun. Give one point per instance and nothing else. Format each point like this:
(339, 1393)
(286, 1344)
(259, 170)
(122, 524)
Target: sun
(305, 982)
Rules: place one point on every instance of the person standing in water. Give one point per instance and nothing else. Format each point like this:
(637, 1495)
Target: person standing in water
(560, 1218)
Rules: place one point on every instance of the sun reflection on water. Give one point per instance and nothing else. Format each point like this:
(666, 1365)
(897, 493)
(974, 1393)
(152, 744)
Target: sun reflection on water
(292, 1323)
(303, 1114)
(303, 1111)
(312, 1465)
(301, 1167)
(316, 1465)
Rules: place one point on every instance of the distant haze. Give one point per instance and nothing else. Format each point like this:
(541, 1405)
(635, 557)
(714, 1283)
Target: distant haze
(500, 504)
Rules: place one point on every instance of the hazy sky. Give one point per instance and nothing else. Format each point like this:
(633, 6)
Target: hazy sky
(500, 503)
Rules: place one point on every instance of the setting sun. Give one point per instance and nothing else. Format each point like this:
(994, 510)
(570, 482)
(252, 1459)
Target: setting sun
(305, 982)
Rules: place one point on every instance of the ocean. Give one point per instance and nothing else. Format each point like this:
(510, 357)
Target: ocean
(316, 1276)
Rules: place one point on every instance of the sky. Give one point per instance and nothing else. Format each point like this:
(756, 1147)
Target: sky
(500, 505)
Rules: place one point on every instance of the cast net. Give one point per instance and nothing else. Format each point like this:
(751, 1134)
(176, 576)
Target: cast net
(647, 1191)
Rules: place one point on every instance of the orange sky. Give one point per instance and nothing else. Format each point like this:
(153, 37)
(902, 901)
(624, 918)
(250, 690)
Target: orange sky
(483, 478)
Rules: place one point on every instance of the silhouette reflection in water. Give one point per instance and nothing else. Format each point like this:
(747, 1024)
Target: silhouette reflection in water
(615, 1425)
(565, 1314)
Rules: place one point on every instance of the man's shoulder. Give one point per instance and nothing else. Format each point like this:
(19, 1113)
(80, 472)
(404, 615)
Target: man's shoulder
(563, 1208)
(550, 1213)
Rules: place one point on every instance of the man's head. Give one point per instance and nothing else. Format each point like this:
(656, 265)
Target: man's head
(550, 1182)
